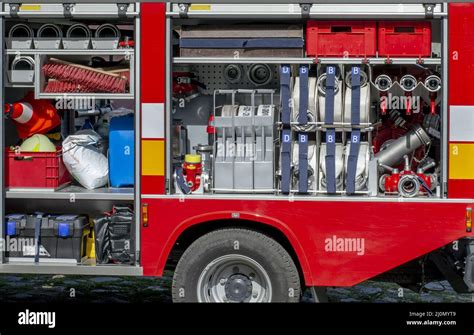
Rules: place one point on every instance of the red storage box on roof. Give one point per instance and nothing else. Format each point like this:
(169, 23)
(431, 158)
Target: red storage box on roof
(404, 39)
(341, 39)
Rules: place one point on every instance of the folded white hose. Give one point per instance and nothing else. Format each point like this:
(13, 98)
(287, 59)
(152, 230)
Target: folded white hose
(322, 99)
(362, 165)
(339, 165)
(312, 104)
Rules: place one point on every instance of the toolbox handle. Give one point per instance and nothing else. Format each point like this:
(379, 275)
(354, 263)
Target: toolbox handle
(341, 29)
(23, 158)
(404, 29)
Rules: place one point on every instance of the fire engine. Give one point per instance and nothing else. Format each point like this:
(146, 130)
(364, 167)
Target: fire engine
(255, 150)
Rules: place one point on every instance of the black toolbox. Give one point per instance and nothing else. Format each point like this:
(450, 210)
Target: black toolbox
(69, 236)
(61, 236)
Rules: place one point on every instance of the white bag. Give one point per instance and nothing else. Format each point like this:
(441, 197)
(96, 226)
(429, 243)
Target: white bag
(84, 160)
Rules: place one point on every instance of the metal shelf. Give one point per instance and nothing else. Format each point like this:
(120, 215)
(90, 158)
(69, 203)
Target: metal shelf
(383, 10)
(67, 52)
(323, 60)
(73, 193)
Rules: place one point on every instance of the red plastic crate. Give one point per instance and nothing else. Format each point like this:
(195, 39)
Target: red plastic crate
(35, 169)
(404, 38)
(341, 38)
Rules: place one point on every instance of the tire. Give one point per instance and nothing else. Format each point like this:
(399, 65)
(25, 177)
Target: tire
(236, 265)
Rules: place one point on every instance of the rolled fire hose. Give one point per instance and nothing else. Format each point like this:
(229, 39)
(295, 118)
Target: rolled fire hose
(79, 31)
(311, 160)
(107, 30)
(310, 175)
(433, 83)
(408, 83)
(404, 145)
(339, 165)
(362, 161)
(321, 84)
(23, 63)
(21, 30)
(383, 83)
(312, 103)
(49, 30)
(363, 79)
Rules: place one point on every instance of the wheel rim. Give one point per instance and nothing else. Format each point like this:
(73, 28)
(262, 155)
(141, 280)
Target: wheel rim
(234, 278)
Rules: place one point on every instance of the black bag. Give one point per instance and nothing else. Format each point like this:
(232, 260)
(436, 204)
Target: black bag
(113, 242)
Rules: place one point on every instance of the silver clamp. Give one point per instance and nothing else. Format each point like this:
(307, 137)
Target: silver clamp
(305, 10)
(183, 10)
(68, 9)
(122, 9)
(429, 10)
(14, 9)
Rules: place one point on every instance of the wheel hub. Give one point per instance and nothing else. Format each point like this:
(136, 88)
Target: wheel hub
(238, 288)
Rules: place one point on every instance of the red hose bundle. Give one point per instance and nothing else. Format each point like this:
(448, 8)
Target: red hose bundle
(87, 78)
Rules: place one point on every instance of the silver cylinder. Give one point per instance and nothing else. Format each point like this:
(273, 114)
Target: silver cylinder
(78, 30)
(107, 30)
(21, 30)
(402, 146)
(49, 30)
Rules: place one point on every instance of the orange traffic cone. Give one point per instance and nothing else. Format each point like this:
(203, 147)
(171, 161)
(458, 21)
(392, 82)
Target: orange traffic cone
(33, 116)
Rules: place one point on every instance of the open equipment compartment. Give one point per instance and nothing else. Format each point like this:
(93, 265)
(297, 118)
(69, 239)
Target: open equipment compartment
(399, 146)
(91, 87)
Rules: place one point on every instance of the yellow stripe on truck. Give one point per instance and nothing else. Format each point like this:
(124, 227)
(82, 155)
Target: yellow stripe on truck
(461, 161)
(153, 158)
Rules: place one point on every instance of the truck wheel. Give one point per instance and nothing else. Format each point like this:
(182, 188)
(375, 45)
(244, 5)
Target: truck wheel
(236, 265)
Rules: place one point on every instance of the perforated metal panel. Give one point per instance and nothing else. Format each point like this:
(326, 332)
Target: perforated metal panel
(212, 75)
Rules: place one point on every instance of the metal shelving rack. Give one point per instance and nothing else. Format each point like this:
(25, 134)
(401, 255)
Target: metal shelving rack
(73, 197)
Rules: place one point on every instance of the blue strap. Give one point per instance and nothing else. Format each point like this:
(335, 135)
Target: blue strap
(355, 134)
(181, 181)
(38, 219)
(286, 161)
(330, 132)
(304, 95)
(303, 163)
(253, 43)
(285, 77)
